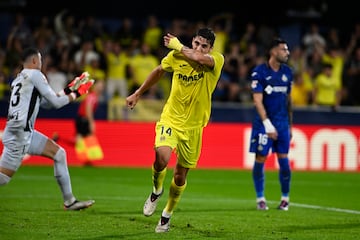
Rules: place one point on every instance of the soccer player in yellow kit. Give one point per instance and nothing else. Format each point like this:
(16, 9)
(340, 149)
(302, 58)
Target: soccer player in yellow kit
(187, 111)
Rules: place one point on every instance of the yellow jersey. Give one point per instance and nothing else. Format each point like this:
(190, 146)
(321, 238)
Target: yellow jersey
(189, 103)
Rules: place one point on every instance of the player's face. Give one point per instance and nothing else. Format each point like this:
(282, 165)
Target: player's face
(282, 53)
(201, 44)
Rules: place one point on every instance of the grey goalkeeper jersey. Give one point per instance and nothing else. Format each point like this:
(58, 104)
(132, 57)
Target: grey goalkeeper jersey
(29, 91)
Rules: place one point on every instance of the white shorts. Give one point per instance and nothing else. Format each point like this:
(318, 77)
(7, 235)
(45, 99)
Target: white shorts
(13, 152)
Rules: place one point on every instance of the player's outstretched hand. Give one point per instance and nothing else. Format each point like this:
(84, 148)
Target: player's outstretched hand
(75, 84)
(84, 88)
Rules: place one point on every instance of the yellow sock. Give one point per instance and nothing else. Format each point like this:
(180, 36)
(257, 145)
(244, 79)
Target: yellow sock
(174, 196)
(158, 180)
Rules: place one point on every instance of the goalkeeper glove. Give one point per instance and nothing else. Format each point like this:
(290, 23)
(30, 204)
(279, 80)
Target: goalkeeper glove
(269, 128)
(84, 88)
(175, 44)
(75, 84)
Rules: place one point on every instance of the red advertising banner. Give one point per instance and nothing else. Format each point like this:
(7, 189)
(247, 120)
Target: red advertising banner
(225, 145)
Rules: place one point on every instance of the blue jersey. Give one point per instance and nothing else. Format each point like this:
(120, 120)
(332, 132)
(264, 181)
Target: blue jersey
(275, 86)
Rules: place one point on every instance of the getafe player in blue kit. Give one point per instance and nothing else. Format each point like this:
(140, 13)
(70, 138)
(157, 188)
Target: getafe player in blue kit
(271, 127)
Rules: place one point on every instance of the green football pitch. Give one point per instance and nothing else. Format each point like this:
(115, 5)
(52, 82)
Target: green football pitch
(217, 204)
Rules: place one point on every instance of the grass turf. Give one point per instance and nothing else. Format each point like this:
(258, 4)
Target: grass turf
(217, 204)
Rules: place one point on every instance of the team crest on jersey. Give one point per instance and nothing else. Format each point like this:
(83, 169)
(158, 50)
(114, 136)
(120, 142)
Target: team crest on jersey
(284, 78)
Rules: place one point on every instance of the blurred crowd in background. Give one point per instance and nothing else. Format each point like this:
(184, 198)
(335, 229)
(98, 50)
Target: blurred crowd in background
(122, 52)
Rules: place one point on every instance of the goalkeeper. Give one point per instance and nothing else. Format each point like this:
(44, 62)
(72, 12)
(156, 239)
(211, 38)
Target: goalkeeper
(29, 91)
(196, 72)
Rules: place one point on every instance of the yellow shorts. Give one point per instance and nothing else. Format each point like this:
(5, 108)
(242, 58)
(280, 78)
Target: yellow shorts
(186, 144)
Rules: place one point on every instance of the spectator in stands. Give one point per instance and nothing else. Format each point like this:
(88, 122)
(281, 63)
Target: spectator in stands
(313, 37)
(223, 26)
(301, 92)
(14, 50)
(152, 34)
(249, 36)
(352, 78)
(297, 60)
(327, 88)
(245, 94)
(140, 66)
(117, 65)
(44, 30)
(66, 27)
(57, 79)
(85, 55)
(128, 35)
(20, 30)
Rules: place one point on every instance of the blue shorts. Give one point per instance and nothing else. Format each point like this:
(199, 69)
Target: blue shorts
(261, 144)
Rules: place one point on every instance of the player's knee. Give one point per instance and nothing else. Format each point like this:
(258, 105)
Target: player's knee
(260, 159)
(4, 179)
(60, 155)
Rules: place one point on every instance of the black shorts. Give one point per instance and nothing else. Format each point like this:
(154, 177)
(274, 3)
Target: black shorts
(82, 126)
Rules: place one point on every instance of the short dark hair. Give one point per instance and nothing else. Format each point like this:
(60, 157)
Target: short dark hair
(29, 52)
(276, 42)
(208, 34)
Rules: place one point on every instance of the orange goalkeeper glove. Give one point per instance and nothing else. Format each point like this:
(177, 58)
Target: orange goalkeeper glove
(75, 84)
(84, 88)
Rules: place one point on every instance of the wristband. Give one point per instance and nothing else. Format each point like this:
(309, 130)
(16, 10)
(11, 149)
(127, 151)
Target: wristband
(175, 44)
(77, 94)
(73, 95)
(65, 91)
(269, 128)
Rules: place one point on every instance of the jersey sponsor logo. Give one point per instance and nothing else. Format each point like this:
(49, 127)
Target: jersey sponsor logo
(268, 89)
(282, 89)
(278, 89)
(190, 78)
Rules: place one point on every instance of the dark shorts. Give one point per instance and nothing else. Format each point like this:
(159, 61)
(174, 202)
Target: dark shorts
(261, 144)
(82, 126)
